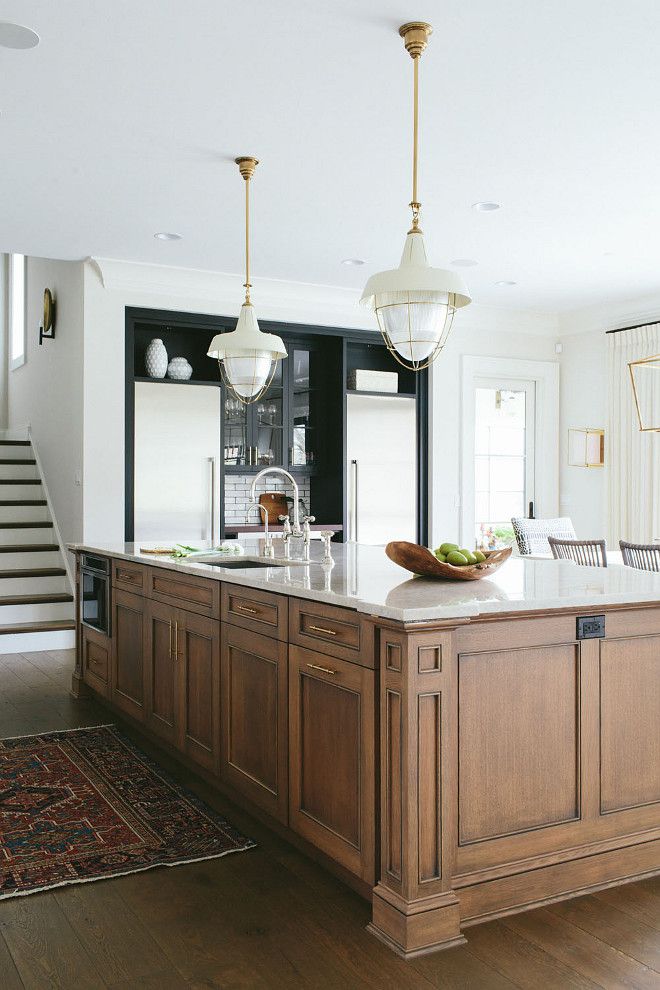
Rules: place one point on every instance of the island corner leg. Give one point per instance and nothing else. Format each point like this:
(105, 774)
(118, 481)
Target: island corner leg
(414, 909)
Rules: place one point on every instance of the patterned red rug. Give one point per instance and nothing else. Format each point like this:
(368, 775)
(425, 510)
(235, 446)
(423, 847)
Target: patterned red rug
(86, 804)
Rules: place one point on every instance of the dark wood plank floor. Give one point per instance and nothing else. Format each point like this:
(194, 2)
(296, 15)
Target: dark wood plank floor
(270, 918)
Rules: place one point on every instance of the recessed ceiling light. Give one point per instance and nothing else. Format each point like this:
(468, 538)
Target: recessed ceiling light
(505, 282)
(463, 262)
(17, 36)
(486, 207)
(163, 235)
(352, 262)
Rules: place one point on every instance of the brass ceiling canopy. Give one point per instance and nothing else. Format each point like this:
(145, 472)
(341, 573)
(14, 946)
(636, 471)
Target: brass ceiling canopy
(415, 36)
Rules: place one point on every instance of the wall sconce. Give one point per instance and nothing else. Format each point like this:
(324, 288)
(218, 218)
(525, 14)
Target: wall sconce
(645, 380)
(586, 447)
(47, 331)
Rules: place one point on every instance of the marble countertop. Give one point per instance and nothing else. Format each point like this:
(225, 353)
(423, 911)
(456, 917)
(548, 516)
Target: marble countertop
(364, 579)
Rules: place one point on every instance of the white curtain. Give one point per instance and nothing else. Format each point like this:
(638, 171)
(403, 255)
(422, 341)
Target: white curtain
(632, 458)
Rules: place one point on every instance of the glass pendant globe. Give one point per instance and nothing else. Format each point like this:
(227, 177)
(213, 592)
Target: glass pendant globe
(414, 322)
(248, 373)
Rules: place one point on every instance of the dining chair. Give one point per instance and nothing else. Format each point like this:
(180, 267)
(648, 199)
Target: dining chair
(587, 553)
(643, 556)
(532, 534)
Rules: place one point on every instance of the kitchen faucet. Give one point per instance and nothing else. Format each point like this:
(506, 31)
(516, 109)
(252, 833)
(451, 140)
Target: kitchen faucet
(296, 531)
(268, 541)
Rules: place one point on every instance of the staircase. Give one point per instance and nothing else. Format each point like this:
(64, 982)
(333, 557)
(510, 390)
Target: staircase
(36, 602)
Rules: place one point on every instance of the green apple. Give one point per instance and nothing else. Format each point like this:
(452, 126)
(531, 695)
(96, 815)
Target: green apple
(456, 558)
(448, 547)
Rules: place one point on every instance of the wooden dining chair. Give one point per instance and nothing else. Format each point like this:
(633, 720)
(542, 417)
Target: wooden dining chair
(587, 553)
(643, 556)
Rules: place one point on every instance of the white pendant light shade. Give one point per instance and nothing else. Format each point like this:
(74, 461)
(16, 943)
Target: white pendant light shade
(247, 356)
(415, 304)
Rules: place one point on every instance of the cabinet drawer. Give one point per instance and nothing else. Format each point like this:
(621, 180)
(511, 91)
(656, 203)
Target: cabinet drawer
(339, 632)
(129, 576)
(95, 649)
(258, 611)
(184, 591)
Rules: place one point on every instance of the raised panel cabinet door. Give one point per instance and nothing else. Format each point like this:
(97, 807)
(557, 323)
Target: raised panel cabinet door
(331, 757)
(518, 741)
(254, 718)
(197, 648)
(128, 690)
(162, 672)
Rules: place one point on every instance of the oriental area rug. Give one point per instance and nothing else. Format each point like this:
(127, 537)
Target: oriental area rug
(86, 804)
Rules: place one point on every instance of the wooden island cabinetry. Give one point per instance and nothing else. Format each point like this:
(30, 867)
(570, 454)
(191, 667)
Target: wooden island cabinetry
(454, 768)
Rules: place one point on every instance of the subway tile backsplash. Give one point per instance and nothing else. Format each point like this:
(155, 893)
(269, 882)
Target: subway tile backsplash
(237, 495)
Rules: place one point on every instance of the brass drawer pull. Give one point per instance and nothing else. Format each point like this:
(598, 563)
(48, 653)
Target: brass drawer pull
(245, 608)
(325, 670)
(127, 576)
(322, 629)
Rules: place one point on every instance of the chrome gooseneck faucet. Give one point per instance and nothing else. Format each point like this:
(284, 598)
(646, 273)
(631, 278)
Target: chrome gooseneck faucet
(296, 531)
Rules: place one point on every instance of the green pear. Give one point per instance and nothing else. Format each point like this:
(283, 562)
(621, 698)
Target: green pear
(480, 557)
(469, 556)
(456, 558)
(448, 547)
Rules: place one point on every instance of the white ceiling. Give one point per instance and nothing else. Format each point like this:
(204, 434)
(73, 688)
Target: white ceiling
(127, 117)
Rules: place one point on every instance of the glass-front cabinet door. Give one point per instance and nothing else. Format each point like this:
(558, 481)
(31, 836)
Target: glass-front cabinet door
(269, 416)
(237, 438)
(304, 393)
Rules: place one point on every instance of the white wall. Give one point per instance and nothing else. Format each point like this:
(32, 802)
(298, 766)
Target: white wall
(47, 392)
(583, 402)
(4, 342)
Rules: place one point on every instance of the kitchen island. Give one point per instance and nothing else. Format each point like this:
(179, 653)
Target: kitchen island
(455, 751)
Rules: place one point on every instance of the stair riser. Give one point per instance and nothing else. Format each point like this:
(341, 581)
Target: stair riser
(10, 537)
(24, 513)
(26, 559)
(32, 642)
(15, 453)
(41, 612)
(17, 492)
(33, 585)
(16, 471)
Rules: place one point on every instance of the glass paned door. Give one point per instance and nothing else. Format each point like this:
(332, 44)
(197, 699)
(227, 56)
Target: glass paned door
(269, 426)
(306, 367)
(504, 430)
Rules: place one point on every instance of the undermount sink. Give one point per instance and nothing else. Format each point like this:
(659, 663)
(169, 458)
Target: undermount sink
(241, 563)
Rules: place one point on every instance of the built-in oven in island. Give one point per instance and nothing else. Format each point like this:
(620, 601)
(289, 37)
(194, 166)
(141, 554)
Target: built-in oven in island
(95, 592)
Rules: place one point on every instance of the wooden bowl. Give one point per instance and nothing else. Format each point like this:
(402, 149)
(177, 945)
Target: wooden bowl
(421, 561)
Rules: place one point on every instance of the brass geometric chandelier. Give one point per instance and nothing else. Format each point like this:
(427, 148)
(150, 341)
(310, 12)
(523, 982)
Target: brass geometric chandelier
(645, 380)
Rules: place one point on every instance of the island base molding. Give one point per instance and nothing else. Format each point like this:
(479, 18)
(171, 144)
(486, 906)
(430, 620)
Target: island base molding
(415, 928)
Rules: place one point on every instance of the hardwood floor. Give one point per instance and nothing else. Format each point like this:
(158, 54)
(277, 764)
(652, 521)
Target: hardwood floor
(270, 918)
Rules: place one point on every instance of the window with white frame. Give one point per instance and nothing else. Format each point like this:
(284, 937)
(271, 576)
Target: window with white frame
(17, 284)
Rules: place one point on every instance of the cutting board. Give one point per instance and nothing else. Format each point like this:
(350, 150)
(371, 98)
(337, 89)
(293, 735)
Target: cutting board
(276, 504)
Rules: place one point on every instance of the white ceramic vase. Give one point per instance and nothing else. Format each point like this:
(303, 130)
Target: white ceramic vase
(155, 359)
(179, 369)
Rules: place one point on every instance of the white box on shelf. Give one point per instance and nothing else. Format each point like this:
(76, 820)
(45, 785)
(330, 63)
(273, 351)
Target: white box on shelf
(363, 380)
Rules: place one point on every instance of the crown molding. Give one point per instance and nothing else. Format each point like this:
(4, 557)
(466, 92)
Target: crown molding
(327, 305)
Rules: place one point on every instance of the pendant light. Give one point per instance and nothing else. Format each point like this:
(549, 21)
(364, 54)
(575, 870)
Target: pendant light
(414, 303)
(247, 357)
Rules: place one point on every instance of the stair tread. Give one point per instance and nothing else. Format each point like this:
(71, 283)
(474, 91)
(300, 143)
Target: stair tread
(17, 460)
(26, 525)
(34, 572)
(29, 548)
(54, 598)
(15, 443)
(23, 501)
(45, 626)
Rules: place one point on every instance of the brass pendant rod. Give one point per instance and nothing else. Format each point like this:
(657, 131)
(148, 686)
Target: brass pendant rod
(415, 125)
(247, 285)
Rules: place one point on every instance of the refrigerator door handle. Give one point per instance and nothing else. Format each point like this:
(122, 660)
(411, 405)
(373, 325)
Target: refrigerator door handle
(354, 520)
(212, 516)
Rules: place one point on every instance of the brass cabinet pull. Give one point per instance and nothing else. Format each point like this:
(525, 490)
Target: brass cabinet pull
(321, 629)
(325, 670)
(176, 640)
(170, 639)
(127, 576)
(245, 608)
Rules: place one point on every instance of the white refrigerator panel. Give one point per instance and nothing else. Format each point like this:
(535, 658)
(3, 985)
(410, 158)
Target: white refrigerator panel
(177, 448)
(381, 445)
